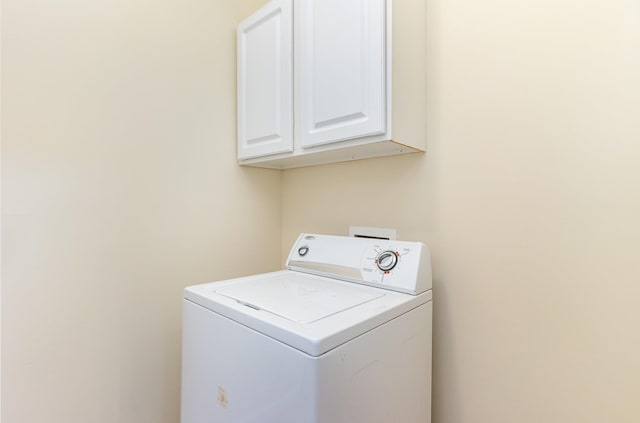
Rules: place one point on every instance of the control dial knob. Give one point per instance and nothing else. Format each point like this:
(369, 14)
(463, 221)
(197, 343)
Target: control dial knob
(387, 260)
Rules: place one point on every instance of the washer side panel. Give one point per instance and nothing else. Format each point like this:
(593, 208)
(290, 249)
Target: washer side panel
(381, 376)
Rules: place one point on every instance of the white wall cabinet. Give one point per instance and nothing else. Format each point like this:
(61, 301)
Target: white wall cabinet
(265, 103)
(323, 81)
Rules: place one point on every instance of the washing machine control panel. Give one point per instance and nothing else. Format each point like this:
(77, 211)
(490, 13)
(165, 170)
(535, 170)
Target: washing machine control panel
(395, 265)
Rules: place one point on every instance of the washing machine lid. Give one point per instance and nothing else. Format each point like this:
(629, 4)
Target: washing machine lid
(299, 297)
(311, 313)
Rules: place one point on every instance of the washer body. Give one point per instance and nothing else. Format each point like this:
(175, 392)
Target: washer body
(297, 347)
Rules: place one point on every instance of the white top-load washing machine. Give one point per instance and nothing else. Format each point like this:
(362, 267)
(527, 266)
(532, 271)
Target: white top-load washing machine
(343, 335)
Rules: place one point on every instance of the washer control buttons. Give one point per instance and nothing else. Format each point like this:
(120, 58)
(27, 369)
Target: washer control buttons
(303, 250)
(387, 260)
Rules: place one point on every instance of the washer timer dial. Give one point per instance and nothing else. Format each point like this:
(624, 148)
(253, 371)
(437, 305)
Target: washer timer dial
(387, 260)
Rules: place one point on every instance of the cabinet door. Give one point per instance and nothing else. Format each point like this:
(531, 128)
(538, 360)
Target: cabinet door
(340, 70)
(265, 81)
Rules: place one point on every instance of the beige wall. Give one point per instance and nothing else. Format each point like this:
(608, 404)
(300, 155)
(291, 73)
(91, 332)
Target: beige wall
(114, 197)
(119, 187)
(529, 198)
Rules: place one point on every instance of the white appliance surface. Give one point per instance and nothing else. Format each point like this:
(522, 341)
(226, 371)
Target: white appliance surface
(299, 298)
(342, 336)
(393, 265)
(310, 313)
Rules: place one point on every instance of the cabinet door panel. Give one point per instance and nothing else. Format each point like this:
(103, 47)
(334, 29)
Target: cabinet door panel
(340, 70)
(265, 82)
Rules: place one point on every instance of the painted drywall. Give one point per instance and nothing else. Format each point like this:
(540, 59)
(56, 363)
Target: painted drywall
(528, 197)
(120, 186)
(0, 212)
(114, 197)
